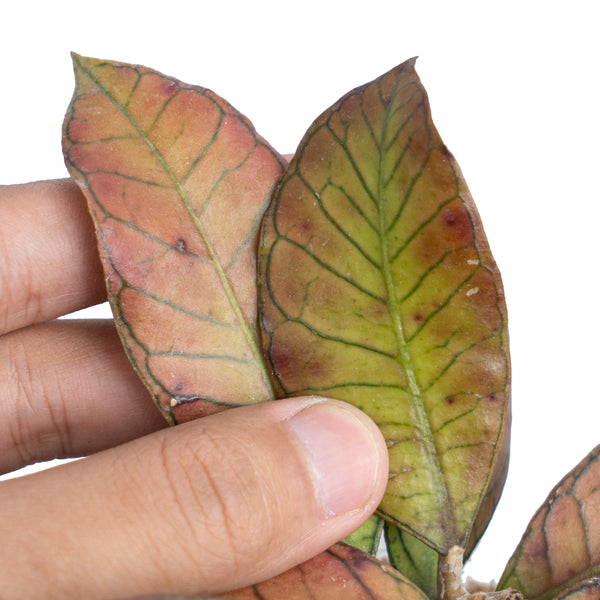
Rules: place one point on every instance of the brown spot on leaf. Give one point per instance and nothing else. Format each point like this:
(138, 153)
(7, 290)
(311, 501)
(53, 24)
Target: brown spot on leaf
(458, 223)
(446, 152)
(168, 87)
(180, 245)
(283, 359)
(306, 226)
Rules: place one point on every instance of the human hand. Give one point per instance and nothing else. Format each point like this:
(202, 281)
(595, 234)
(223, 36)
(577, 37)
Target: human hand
(207, 506)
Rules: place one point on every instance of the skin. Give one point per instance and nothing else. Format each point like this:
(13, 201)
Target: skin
(208, 506)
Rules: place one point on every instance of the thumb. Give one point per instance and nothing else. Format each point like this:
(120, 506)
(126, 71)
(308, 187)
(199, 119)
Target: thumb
(208, 506)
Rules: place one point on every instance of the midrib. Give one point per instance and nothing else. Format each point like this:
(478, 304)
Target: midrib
(404, 357)
(230, 294)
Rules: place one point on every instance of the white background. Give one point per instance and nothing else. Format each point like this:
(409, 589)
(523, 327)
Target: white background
(514, 93)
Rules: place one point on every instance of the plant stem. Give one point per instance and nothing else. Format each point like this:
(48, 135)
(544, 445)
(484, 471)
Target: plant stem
(451, 586)
(450, 575)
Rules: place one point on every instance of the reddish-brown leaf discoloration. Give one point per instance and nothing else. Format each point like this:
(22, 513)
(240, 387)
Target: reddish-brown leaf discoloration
(340, 572)
(177, 181)
(560, 545)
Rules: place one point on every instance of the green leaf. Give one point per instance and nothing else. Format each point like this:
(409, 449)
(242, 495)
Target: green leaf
(561, 545)
(377, 287)
(177, 182)
(414, 559)
(340, 572)
(367, 536)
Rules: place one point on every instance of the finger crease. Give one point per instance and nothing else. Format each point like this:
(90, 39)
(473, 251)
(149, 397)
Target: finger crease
(41, 430)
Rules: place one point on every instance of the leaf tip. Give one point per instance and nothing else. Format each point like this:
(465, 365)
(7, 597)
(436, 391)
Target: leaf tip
(411, 62)
(76, 60)
(75, 57)
(80, 61)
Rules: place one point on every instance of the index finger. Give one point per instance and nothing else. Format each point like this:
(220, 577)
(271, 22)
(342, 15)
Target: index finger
(49, 265)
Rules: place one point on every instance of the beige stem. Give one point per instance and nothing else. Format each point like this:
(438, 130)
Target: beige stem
(451, 586)
(450, 574)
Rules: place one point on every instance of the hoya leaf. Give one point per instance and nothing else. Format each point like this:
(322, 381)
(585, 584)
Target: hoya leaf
(340, 572)
(414, 559)
(561, 545)
(588, 589)
(377, 287)
(494, 489)
(177, 181)
(367, 536)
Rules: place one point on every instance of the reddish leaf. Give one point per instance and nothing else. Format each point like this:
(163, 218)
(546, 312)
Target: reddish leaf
(588, 589)
(561, 545)
(177, 181)
(340, 572)
(377, 286)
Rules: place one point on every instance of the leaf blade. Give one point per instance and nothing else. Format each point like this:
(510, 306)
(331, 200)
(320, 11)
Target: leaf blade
(561, 545)
(367, 536)
(414, 559)
(163, 166)
(374, 210)
(587, 589)
(341, 569)
(494, 489)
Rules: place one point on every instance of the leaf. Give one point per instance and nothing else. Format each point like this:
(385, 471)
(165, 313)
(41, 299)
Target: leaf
(561, 544)
(588, 589)
(414, 559)
(177, 181)
(377, 287)
(494, 489)
(367, 536)
(340, 572)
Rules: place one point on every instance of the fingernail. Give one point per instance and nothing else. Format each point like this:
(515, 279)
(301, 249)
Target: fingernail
(343, 448)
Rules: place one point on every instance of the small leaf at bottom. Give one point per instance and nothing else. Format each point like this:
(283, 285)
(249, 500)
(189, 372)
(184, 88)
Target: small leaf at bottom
(414, 559)
(561, 544)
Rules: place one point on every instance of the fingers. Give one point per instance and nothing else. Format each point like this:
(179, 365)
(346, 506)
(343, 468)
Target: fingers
(208, 506)
(48, 260)
(68, 390)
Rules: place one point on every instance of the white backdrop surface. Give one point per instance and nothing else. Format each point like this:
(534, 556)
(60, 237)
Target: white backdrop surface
(514, 93)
